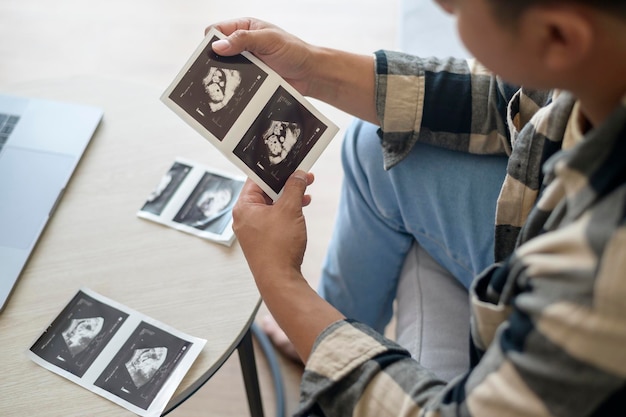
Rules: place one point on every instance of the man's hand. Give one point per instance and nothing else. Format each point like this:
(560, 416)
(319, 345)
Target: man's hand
(286, 54)
(273, 236)
(341, 79)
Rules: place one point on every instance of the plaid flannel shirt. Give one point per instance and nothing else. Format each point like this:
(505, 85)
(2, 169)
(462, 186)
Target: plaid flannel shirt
(548, 325)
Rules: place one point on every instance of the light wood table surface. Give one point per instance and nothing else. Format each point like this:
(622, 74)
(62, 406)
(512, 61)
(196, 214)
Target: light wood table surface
(95, 240)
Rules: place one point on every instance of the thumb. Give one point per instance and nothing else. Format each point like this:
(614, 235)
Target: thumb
(260, 42)
(224, 47)
(293, 191)
(237, 42)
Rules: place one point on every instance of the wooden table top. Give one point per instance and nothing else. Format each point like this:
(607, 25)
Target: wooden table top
(95, 240)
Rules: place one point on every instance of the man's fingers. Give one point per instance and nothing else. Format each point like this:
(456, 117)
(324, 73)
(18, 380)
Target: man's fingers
(236, 43)
(292, 198)
(232, 28)
(229, 26)
(259, 41)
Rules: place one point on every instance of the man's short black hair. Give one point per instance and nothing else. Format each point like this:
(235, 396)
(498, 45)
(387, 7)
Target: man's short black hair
(508, 11)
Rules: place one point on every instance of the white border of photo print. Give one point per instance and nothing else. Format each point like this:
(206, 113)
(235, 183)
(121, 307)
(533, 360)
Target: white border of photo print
(195, 199)
(253, 116)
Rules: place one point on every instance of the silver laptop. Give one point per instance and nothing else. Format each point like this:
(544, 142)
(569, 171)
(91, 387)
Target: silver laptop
(41, 142)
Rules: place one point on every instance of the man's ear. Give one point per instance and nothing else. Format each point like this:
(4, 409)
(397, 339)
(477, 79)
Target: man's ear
(562, 35)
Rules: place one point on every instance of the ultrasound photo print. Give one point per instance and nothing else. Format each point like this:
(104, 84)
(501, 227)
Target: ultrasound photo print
(78, 335)
(209, 205)
(279, 139)
(161, 195)
(142, 366)
(215, 89)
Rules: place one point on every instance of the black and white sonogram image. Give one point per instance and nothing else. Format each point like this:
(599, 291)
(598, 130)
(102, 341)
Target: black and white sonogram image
(216, 89)
(165, 189)
(142, 366)
(78, 335)
(209, 205)
(279, 139)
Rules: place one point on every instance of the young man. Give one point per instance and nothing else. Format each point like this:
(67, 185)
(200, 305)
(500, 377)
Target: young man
(548, 319)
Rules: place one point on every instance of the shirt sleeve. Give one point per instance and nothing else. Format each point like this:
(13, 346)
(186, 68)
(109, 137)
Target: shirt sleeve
(352, 368)
(453, 103)
(547, 342)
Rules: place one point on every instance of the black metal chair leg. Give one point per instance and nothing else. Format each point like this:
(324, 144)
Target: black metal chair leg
(250, 377)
